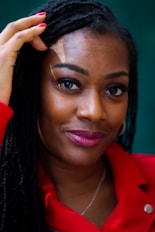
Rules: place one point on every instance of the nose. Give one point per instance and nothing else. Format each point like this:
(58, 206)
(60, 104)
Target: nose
(91, 107)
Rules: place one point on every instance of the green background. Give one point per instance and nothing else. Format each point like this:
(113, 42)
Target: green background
(139, 18)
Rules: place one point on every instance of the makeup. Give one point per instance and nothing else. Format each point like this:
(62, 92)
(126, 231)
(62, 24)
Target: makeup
(85, 138)
(58, 48)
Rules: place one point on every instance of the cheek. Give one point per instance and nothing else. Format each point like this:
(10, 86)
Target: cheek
(55, 106)
(117, 114)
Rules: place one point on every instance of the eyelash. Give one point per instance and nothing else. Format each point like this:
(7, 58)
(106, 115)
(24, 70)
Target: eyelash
(114, 88)
(61, 82)
(74, 86)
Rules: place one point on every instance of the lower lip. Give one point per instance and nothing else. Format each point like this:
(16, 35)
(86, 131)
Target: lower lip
(83, 141)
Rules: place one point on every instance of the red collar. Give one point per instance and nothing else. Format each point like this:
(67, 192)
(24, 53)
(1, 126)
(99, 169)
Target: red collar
(124, 169)
(127, 181)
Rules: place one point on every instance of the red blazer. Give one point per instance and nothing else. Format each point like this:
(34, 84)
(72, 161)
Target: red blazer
(134, 180)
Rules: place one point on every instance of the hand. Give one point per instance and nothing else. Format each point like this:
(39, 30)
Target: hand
(12, 38)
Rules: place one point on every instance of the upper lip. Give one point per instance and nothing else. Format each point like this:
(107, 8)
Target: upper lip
(87, 134)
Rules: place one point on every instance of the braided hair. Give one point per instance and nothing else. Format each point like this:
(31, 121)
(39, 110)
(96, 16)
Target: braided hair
(20, 204)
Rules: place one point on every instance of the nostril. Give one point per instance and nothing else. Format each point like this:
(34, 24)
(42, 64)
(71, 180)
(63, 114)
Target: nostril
(92, 110)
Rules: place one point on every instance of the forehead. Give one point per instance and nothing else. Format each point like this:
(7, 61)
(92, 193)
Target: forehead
(85, 46)
(86, 34)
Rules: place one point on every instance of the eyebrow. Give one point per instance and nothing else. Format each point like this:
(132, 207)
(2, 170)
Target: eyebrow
(117, 74)
(72, 67)
(85, 72)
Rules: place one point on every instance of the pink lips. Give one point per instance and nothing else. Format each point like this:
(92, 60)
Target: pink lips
(85, 138)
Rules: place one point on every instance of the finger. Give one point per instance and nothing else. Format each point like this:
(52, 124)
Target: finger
(8, 51)
(38, 44)
(25, 36)
(19, 25)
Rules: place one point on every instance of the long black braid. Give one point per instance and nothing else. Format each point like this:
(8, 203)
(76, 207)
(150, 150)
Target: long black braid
(20, 204)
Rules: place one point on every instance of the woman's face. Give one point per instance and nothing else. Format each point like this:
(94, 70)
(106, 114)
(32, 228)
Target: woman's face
(84, 96)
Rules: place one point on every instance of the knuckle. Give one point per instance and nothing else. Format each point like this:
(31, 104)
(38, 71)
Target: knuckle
(12, 25)
(6, 57)
(3, 51)
(19, 35)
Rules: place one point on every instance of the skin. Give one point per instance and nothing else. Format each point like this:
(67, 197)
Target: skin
(87, 103)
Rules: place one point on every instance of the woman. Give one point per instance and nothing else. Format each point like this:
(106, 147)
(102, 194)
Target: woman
(69, 76)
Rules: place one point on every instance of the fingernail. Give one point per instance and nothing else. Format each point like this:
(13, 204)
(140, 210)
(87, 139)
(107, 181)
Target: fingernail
(42, 25)
(41, 13)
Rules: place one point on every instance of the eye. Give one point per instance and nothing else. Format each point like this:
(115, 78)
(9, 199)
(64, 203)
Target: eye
(68, 84)
(116, 90)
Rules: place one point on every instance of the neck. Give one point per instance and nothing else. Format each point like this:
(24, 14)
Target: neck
(67, 175)
(76, 185)
(62, 172)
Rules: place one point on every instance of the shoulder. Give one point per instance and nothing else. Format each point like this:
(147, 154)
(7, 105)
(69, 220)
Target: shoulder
(146, 165)
(145, 162)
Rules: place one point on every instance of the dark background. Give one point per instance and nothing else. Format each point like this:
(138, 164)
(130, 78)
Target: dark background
(139, 18)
